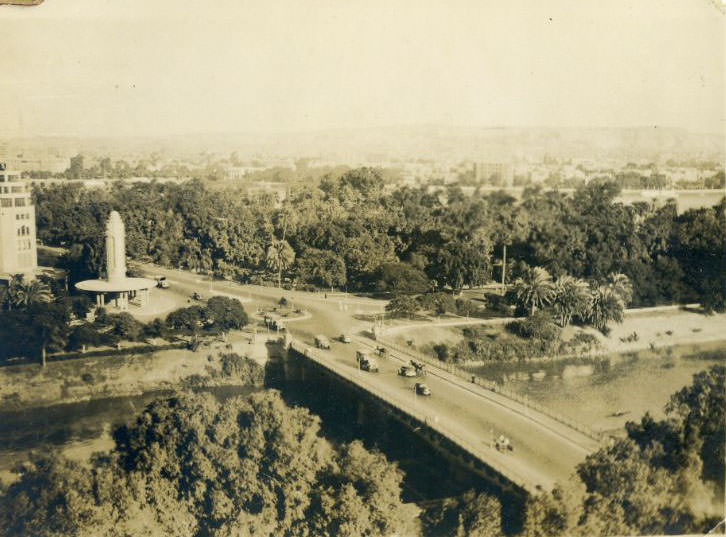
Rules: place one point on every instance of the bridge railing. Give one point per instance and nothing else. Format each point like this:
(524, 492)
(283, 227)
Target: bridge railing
(481, 453)
(496, 388)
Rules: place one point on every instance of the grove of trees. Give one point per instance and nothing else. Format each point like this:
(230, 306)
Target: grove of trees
(350, 230)
(191, 466)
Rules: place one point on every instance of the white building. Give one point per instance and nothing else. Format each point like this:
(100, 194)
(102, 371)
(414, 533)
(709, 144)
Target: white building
(501, 173)
(18, 253)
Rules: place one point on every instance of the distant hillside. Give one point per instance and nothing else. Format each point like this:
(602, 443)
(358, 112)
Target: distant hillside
(426, 141)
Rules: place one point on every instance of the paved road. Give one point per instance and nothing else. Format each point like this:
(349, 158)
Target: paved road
(545, 451)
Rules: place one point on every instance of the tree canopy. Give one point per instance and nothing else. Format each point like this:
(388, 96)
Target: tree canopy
(191, 466)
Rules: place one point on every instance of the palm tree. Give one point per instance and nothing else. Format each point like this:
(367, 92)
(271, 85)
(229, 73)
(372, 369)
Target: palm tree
(535, 289)
(280, 256)
(606, 306)
(37, 292)
(621, 286)
(572, 298)
(22, 294)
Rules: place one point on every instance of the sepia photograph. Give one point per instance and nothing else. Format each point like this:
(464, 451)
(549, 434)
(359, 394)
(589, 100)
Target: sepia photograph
(362, 268)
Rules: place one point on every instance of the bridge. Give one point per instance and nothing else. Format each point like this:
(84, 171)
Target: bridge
(462, 416)
(464, 419)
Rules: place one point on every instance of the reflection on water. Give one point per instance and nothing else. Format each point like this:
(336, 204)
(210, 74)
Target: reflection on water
(78, 429)
(604, 392)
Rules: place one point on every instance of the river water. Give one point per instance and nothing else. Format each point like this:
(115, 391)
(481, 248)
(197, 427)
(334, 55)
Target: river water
(76, 429)
(606, 392)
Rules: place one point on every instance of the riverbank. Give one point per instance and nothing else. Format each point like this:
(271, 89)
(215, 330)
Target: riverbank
(646, 329)
(87, 379)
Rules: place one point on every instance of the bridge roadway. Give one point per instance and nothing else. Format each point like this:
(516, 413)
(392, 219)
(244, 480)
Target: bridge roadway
(545, 451)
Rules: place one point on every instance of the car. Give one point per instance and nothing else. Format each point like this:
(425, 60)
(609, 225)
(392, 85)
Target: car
(344, 338)
(197, 296)
(161, 282)
(321, 342)
(503, 444)
(422, 389)
(368, 364)
(381, 351)
(407, 371)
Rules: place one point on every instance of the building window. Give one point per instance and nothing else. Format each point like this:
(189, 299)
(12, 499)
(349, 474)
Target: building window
(6, 203)
(20, 202)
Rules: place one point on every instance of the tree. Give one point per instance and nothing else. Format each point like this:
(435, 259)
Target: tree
(621, 286)
(50, 500)
(20, 294)
(279, 258)
(571, 299)
(362, 496)
(626, 494)
(701, 409)
(188, 319)
(321, 267)
(400, 278)
(85, 334)
(227, 313)
(534, 290)
(255, 466)
(606, 306)
(50, 324)
(403, 305)
(551, 514)
(470, 515)
(125, 326)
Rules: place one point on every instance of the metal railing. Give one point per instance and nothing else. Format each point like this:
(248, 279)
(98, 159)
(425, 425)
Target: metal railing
(496, 388)
(430, 420)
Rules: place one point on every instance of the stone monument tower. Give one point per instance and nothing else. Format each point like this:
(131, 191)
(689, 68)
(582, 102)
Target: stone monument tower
(115, 248)
(117, 286)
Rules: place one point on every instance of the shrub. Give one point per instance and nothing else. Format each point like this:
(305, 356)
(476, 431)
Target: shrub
(246, 369)
(442, 352)
(538, 326)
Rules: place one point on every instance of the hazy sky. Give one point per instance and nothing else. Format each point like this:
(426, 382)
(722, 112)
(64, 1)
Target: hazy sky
(113, 67)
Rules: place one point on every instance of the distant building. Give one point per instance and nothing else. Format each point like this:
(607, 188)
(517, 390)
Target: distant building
(498, 173)
(18, 253)
(43, 164)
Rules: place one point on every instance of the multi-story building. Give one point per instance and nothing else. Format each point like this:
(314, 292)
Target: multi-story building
(18, 254)
(500, 173)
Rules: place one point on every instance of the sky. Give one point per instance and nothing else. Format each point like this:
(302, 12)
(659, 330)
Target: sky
(110, 68)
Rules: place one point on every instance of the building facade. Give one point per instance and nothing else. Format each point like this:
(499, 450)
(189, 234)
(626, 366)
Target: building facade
(499, 173)
(18, 252)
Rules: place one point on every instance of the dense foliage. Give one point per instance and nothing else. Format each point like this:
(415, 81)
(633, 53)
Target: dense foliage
(41, 317)
(665, 477)
(348, 229)
(191, 466)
